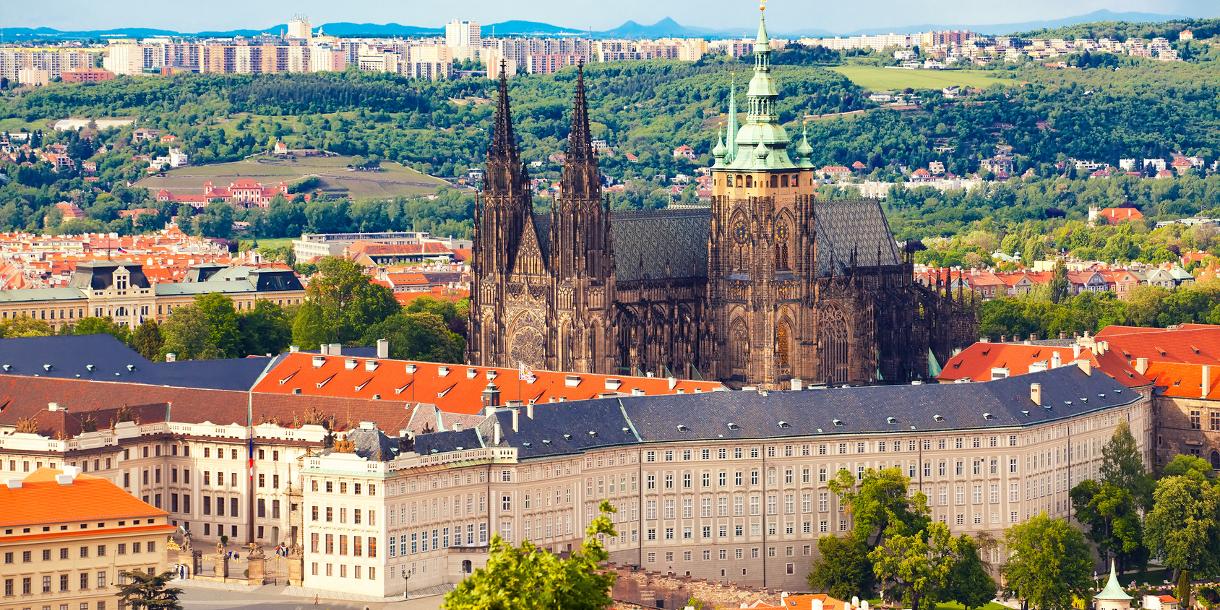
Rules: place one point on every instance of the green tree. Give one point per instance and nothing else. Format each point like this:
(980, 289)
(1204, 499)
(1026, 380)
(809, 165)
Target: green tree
(418, 336)
(842, 568)
(25, 327)
(1122, 465)
(147, 340)
(527, 577)
(100, 326)
(215, 221)
(1181, 530)
(1111, 514)
(143, 591)
(1049, 563)
(310, 328)
(224, 332)
(1191, 466)
(265, 329)
(914, 568)
(349, 302)
(969, 582)
(1060, 288)
(186, 335)
(880, 504)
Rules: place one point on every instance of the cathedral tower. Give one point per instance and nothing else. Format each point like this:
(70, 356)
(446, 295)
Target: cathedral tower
(581, 258)
(501, 215)
(762, 245)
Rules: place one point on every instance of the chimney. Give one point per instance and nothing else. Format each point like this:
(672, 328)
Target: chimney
(671, 382)
(1035, 393)
(516, 419)
(67, 476)
(1075, 351)
(529, 409)
(336, 349)
(14, 483)
(383, 348)
(795, 384)
(171, 357)
(1056, 360)
(292, 349)
(491, 395)
(496, 432)
(54, 406)
(1206, 386)
(1085, 365)
(1141, 365)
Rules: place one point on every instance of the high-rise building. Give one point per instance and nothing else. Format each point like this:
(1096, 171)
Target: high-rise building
(463, 34)
(298, 27)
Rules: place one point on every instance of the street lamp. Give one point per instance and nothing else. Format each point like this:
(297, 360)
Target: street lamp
(407, 573)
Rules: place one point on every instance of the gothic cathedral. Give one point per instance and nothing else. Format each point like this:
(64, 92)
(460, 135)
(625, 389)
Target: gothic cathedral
(769, 285)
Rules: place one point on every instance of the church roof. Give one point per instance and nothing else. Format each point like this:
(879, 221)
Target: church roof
(660, 244)
(1113, 591)
(847, 225)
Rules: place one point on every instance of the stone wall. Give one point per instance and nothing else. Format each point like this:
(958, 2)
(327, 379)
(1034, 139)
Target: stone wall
(637, 588)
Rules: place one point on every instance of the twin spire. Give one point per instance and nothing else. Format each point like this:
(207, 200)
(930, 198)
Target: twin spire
(504, 141)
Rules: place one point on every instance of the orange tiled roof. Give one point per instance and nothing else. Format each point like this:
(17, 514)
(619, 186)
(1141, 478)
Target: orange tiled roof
(805, 602)
(41, 500)
(451, 387)
(975, 362)
(1116, 215)
(1185, 380)
(1189, 343)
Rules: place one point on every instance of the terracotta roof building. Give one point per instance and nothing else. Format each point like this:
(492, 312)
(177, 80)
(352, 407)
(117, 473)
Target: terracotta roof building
(67, 537)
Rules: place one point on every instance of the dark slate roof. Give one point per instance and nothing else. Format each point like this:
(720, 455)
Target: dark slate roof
(844, 225)
(661, 244)
(1066, 392)
(373, 444)
(99, 275)
(105, 358)
(441, 442)
(673, 243)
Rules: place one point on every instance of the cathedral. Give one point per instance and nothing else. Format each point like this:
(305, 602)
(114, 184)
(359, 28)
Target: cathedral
(770, 286)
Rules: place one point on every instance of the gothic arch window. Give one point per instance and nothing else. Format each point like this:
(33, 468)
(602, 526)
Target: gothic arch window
(832, 343)
(783, 244)
(774, 181)
(739, 346)
(749, 181)
(1215, 459)
(738, 180)
(783, 347)
(784, 180)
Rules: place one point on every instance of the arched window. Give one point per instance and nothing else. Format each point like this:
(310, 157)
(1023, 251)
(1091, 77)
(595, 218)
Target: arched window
(783, 347)
(749, 181)
(738, 182)
(784, 180)
(1215, 460)
(781, 257)
(832, 345)
(774, 181)
(739, 345)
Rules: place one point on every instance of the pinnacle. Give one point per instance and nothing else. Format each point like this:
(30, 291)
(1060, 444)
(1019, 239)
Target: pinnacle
(580, 143)
(503, 143)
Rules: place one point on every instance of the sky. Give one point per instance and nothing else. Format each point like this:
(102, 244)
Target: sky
(835, 16)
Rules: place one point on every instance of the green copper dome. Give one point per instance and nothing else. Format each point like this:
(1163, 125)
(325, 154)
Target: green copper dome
(762, 131)
(1113, 591)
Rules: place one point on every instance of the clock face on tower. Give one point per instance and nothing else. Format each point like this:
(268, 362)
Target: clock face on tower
(740, 231)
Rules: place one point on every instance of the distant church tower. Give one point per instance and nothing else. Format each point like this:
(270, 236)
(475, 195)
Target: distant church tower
(762, 252)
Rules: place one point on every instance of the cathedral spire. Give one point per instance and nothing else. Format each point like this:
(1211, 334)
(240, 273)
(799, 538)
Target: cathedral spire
(503, 142)
(580, 143)
(731, 145)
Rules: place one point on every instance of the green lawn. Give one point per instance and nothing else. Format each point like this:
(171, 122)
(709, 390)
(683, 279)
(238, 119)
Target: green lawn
(269, 242)
(13, 125)
(393, 181)
(878, 78)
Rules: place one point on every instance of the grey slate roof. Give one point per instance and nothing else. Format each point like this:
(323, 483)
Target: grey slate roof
(238, 279)
(104, 358)
(660, 244)
(574, 427)
(847, 224)
(373, 444)
(673, 243)
(24, 295)
(99, 275)
(442, 442)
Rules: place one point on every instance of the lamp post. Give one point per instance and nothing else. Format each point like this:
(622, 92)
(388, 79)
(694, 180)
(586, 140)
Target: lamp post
(407, 573)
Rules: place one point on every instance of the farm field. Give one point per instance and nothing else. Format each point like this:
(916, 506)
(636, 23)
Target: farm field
(393, 180)
(878, 78)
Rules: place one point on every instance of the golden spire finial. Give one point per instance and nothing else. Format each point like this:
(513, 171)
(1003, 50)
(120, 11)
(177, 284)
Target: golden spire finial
(762, 5)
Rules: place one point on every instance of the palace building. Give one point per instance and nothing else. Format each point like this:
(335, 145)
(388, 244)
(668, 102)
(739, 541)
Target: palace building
(770, 286)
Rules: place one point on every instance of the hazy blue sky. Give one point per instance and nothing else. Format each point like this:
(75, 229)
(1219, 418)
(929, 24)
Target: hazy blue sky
(602, 14)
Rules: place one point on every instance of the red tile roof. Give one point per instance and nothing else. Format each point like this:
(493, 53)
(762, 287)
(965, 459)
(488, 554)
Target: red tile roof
(451, 387)
(1185, 380)
(1117, 215)
(1189, 343)
(975, 362)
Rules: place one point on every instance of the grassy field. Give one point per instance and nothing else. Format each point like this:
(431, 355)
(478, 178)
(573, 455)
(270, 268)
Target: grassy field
(13, 125)
(393, 181)
(877, 78)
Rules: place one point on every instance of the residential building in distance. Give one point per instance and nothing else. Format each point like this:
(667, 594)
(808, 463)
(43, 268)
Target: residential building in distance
(463, 34)
(243, 192)
(312, 246)
(67, 538)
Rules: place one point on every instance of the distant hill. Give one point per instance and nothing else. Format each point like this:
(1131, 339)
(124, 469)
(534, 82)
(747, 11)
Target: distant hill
(665, 28)
(1013, 28)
